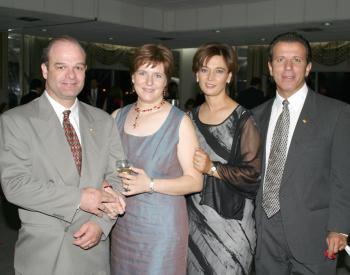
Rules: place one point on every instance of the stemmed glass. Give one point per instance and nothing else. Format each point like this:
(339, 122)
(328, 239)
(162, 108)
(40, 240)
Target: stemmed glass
(123, 166)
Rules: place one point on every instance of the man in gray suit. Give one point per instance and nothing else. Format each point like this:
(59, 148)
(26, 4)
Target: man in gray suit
(303, 205)
(55, 174)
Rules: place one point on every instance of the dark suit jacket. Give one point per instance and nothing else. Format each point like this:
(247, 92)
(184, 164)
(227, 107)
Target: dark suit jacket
(315, 189)
(85, 96)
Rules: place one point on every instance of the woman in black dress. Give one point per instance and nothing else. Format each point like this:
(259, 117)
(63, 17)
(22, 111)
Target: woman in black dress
(222, 228)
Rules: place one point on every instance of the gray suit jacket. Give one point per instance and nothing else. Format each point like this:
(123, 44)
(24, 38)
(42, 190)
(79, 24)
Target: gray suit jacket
(39, 175)
(315, 189)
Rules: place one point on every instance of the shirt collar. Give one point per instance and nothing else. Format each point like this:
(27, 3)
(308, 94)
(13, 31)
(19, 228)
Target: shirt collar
(60, 108)
(297, 99)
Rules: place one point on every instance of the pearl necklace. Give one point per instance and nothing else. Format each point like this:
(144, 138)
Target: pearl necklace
(138, 110)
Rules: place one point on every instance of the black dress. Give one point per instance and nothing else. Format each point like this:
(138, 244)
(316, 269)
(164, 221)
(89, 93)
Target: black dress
(222, 228)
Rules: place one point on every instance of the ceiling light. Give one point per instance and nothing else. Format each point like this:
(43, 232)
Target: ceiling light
(327, 24)
(311, 29)
(164, 38)
(28, 19)
(217, 31)
(263, 39)
(10, 30)
(44, 30)
(110, 38)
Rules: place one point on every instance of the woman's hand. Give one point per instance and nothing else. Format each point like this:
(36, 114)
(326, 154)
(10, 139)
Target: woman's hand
(136, 182)
(201, 161)
(118, 206)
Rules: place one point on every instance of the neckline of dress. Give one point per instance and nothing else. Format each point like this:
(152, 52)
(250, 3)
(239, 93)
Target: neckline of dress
(218, 124)
(150, 135)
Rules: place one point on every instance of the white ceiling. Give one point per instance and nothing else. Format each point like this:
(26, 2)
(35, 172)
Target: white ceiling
(96, 31)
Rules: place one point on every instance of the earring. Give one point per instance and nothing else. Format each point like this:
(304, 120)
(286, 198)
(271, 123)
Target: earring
(133, 91)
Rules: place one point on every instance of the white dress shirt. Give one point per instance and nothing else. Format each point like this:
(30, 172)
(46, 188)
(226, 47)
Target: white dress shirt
(296, 103)
(73, 117)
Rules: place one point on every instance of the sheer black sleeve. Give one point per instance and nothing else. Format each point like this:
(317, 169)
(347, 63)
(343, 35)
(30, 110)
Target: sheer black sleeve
(244, 171)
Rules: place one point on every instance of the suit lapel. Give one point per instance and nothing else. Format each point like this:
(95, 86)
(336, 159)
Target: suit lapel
(264, 122)
(90, 144)
(54, 142)
(305, 128)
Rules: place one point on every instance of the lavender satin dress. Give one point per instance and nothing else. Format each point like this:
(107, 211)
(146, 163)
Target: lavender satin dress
(152, 236)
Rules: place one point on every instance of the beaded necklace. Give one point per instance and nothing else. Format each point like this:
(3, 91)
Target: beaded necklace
(139, 111)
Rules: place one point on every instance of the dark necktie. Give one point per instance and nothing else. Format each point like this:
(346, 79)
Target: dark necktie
(275, 165)
(72, 139)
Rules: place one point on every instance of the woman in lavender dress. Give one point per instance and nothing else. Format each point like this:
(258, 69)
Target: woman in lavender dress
(159, 140)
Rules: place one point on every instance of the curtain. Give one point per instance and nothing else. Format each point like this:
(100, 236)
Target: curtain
(257, 62)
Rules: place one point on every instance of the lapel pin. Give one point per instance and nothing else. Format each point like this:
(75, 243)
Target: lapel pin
(92, 130)
(304, 120)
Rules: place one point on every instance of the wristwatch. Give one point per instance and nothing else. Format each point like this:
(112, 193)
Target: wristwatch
(212, 169)
(151, 186)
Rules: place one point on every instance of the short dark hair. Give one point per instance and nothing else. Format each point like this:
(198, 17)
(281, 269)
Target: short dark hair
(291, 37)
(153, 55)
(65, 38)
(208, 50)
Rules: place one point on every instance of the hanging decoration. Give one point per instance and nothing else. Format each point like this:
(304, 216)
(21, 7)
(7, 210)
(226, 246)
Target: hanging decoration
(330, 53)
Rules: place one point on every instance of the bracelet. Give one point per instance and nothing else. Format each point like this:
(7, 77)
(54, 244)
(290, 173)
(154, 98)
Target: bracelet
(151, 186)
(108, 186)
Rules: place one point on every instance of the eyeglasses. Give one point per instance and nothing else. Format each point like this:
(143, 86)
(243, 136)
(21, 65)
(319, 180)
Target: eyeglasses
(281, 60)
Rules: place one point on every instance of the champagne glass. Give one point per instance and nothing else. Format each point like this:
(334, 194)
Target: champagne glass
(123, 166)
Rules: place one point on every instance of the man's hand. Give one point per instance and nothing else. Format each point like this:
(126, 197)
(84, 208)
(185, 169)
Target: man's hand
(92, 201)
(336, 242)
(118, 206)
(88, 235)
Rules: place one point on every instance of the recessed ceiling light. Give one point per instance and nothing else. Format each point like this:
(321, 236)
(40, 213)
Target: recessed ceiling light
(110, 38)
(28, 19)
(327, 24)
(263, 39)
(217, 31)
(10, 30)
(44, 30)
(164, 38)
(311, 29)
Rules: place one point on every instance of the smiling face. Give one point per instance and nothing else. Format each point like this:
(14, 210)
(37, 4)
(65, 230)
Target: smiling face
(149, 83)
(213, 76)
(64, 72)
(289, 67)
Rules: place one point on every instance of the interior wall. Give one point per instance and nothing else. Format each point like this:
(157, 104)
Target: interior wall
(188, 85)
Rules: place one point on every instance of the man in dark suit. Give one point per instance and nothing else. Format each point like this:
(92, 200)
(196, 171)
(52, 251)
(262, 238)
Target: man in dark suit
(303, 205)
(35, 90)
(251, 97)
(94, 95)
